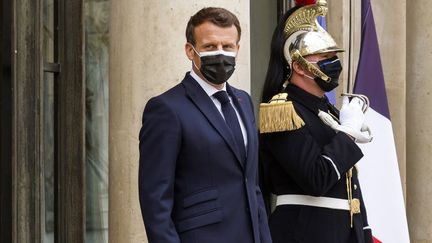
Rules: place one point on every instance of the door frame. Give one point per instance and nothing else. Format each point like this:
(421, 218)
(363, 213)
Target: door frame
(26, 164)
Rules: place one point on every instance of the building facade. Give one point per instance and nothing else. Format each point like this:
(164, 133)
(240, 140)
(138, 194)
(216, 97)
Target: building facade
(75, 76)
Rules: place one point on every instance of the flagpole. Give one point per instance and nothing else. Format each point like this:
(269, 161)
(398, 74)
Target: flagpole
(350, 84)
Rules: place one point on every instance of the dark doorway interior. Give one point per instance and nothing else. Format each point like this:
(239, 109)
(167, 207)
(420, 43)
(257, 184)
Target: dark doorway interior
(5, 123)
(263, 21)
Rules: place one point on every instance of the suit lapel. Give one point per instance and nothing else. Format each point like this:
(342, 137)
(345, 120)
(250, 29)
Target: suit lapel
(207, 107)
(241, 108)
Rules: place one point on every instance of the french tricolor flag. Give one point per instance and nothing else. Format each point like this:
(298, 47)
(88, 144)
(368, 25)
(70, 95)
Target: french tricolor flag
(379, 172)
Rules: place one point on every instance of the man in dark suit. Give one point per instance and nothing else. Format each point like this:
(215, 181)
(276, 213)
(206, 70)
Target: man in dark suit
(198, 147)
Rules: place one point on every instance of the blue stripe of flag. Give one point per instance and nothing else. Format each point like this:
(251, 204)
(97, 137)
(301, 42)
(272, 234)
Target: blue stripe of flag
(370, 78)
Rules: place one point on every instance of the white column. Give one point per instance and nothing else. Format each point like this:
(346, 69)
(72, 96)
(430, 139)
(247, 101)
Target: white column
(419, 118)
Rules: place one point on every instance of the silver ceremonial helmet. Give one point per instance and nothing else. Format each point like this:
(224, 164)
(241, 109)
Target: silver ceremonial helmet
(304, 36)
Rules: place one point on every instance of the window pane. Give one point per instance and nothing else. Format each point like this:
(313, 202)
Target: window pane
(96, 48)
(48, 154)
(48, 30)
(47, 117)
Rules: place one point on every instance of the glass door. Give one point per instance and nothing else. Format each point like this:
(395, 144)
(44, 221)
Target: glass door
(48, 119)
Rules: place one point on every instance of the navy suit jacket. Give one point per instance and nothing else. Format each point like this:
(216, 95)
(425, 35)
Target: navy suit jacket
(193, 187)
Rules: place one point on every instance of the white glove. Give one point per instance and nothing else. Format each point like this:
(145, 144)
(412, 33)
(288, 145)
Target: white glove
(351, 114)
(352, 119)
(364, 135)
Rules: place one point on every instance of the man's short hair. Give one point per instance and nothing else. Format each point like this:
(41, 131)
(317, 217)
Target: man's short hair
(218, 16)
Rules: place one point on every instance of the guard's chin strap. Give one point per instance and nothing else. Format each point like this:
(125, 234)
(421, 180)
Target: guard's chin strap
(296, 56)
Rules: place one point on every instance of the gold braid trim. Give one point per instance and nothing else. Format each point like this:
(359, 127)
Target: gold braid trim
(279, 115)
(305, 18)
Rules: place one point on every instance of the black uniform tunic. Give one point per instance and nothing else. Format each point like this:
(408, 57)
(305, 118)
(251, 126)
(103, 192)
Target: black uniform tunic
(312, 160)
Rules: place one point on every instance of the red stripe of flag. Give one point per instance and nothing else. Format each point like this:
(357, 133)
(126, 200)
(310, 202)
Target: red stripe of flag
(375, 240)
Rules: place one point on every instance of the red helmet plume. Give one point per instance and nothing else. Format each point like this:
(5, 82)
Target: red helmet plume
(304, 2)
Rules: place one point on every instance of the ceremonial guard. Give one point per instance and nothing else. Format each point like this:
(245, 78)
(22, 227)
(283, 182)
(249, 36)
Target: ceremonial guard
(308, 147)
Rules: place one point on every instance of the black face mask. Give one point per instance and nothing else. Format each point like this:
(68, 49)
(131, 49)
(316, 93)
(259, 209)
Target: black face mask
(217, 66)
(332, 67)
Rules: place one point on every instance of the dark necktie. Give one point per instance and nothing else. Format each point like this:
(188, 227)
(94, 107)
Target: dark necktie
(232, 121)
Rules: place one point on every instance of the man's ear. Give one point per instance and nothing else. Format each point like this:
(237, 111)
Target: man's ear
(238, 49)
(297, 68)
(190, 53)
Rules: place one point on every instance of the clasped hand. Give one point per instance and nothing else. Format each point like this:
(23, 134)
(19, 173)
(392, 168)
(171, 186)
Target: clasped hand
(351, 114)
(351, 119)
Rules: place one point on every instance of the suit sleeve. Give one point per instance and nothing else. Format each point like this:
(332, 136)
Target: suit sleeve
(263, 219)
(159, 144)
(314, 168)
(262, 212)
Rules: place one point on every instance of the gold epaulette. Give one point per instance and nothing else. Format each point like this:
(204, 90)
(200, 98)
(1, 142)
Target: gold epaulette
(279, 115)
